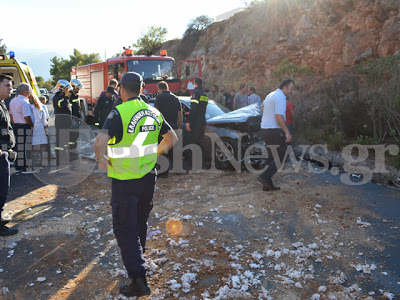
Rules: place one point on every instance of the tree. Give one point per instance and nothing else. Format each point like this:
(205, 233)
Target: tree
(44, 84)
(61, 68)
(150, 41)
(195, 26)
(47, 85)
(39, 79)
(192, 35)
(3, 47)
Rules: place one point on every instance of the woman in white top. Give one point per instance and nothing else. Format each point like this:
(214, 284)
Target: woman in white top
(46, 148)
(39, 123)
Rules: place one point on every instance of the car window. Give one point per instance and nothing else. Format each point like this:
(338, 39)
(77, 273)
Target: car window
(215, 109)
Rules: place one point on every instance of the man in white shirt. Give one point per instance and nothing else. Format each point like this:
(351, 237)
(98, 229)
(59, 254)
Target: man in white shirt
(273, 129)
(20, 112)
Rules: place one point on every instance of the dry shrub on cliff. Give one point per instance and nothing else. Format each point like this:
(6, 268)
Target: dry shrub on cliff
(325, 108)
(192, 35)
(363, 105)
(287, 69)
(381, 91)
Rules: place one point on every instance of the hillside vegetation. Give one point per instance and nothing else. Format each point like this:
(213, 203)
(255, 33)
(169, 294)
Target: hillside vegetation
(343, 54)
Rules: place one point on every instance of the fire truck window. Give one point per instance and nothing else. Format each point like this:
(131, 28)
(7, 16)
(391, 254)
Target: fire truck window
(153, 69)
(121, 69)
(189, 70)
(110, 70)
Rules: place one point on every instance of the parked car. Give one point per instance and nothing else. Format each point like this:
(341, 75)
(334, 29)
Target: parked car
(45, 93)
(238, 130)
(52, 92)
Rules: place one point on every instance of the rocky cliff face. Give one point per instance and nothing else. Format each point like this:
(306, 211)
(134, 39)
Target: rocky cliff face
(327, 35)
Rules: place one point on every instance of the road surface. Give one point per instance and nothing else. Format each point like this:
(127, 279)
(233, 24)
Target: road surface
(315, 239)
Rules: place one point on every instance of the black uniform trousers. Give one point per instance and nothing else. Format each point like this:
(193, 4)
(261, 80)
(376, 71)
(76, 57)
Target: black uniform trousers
(273, 137)
(4, 179)
(75, 125)
(20, 132)
(197, 132)
(131, 202)
(63, 128)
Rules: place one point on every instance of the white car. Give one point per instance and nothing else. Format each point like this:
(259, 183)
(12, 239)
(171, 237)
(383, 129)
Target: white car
(45, 93)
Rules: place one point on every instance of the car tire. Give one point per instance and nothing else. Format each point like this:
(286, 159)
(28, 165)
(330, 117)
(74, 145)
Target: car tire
(221, 159)
(256, 163)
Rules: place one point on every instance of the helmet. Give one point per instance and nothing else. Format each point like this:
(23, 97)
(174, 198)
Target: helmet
(76, 84)
(62, 84)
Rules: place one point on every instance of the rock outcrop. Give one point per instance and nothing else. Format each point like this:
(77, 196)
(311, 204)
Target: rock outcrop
(326, 35)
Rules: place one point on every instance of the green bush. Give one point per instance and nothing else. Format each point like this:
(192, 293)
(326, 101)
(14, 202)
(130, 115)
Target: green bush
(336, 141)
(366, 140)
(287, 69)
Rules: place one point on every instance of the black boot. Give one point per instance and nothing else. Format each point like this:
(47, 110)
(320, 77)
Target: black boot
(268, 185)
(5, 231)
(3, 221)
(138, 288)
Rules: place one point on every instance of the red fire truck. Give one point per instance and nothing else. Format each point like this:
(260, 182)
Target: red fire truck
(95, 77)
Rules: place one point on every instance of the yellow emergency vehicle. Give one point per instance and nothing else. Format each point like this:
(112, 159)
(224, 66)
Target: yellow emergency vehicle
(19, 71)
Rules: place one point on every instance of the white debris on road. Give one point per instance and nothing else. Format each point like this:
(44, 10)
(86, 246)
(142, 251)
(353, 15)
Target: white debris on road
(363, 224)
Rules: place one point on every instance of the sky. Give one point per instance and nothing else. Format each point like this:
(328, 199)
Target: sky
(95, 26)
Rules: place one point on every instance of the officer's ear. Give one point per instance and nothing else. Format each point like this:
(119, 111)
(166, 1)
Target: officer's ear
(122, 92)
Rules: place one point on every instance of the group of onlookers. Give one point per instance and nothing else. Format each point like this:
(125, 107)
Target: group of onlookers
(28, 112)
(246, 96)
(232, 99)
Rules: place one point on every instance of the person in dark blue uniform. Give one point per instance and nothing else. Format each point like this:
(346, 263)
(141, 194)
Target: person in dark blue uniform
(130, 136)
(76, 85)
(7, 142)
(169, 105)
(62, 111)
(104, 106)
(197, 114)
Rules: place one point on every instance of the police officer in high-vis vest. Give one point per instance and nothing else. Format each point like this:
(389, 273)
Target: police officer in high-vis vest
(130, 136)
(62, 112)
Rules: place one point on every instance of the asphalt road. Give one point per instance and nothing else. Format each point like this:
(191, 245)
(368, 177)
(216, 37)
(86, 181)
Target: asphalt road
(375, 205)
(64, 229)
